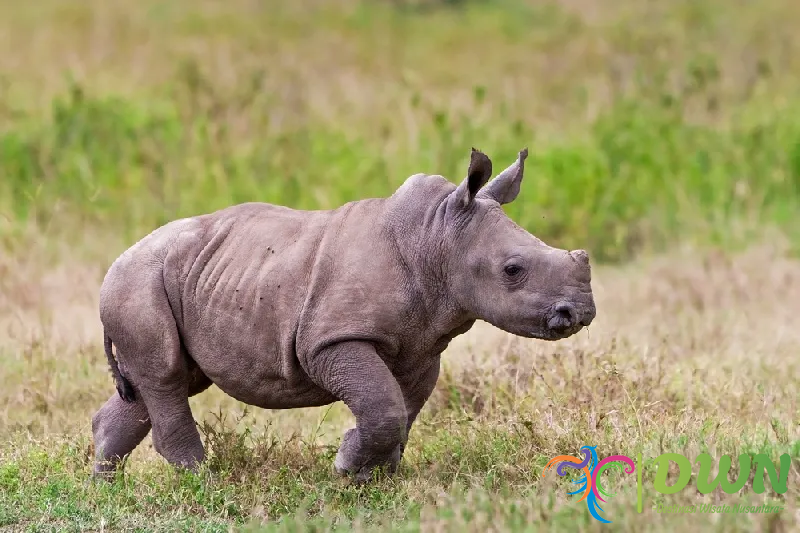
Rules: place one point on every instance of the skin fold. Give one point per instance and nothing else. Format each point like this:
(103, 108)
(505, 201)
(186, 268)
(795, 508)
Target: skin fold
(282, 308)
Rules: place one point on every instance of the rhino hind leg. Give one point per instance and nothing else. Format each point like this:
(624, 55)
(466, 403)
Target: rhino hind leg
(121, 425)
(175, 435)
(118, 427)
(155, 363)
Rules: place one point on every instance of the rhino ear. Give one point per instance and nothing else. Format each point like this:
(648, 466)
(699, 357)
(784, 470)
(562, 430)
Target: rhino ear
(479, 172)
(505, 187)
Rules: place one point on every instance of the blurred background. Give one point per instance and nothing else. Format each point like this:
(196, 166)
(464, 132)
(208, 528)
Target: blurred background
(649, 122)
(664, 138)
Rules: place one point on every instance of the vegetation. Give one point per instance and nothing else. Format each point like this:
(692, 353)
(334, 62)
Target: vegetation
(652, 127)
(645, 120)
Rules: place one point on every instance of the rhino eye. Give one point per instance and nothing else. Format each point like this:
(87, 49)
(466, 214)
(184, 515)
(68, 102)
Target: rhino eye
(512, 270)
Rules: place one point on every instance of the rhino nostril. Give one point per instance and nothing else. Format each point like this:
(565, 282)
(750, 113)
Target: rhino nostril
(567, 312)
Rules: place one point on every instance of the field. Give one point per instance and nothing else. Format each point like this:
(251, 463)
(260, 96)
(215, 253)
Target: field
(664, 138)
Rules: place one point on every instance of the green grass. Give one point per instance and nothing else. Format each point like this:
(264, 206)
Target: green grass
(272, 483)
(652, 126)
(643, 175)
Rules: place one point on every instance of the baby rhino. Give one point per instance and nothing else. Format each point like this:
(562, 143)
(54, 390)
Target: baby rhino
(283, 308)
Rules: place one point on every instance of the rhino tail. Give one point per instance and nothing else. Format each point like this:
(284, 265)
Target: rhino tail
(124, 387)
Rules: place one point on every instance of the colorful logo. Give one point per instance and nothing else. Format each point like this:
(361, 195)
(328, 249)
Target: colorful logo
(592, 491)
(590, 481)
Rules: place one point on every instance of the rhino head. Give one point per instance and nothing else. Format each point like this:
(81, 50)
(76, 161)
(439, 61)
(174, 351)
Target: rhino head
(498, 272)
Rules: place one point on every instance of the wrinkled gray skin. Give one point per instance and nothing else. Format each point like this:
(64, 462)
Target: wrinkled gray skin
(283, 308)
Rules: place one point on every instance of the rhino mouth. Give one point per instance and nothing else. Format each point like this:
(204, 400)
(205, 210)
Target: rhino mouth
(554, 334)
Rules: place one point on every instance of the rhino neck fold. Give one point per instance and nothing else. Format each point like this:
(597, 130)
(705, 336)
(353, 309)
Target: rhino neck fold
(420, 247)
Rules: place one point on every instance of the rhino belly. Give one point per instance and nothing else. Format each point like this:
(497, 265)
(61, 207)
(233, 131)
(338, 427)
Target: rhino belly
(255, 372)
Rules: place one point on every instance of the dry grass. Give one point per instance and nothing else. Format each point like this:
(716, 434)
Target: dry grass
(690, 352)
(560, 63)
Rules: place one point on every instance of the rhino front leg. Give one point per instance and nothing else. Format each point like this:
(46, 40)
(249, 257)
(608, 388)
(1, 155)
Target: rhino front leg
(354, 373)
(417, 394)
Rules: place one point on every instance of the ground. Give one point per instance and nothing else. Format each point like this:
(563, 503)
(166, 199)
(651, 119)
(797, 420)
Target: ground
(689, 352)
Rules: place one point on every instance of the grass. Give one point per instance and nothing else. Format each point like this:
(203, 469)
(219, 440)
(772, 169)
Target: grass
(666, 128)
(674, 364)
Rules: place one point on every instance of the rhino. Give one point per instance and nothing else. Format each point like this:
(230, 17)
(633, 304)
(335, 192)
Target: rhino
(283, 308)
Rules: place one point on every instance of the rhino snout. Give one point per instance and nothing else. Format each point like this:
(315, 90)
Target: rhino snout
(569, 316)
